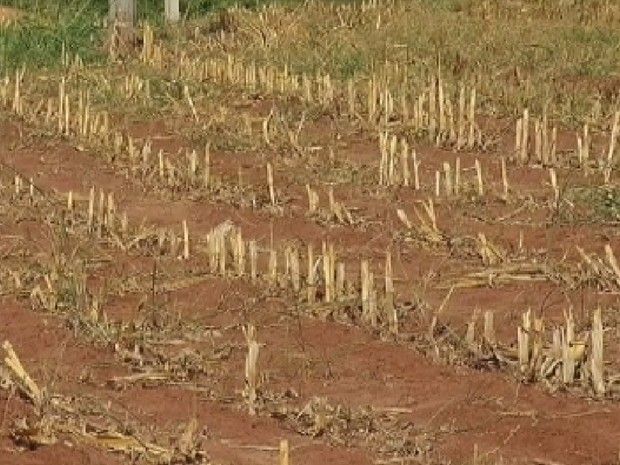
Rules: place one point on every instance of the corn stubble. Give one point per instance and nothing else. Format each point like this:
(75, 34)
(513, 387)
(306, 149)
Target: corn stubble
(434, 153)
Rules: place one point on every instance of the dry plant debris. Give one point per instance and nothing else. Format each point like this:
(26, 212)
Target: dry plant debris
(248, 200)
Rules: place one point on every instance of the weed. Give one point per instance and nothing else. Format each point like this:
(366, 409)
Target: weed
(599, 203)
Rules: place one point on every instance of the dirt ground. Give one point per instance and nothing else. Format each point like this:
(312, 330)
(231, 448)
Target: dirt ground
(139, 348)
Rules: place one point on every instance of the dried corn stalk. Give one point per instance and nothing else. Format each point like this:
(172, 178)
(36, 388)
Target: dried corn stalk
(490, 253)
(25, 383)
(284, 452)
(596, 359)
(605, 272)
(251, 368)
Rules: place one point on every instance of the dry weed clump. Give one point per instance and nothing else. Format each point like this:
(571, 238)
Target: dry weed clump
(385, 431)
(59, 416)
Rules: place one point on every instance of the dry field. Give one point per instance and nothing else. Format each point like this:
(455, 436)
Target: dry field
(380, 232)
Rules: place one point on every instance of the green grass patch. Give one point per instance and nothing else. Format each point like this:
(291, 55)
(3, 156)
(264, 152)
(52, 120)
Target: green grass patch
(596, 203)
(37, 39)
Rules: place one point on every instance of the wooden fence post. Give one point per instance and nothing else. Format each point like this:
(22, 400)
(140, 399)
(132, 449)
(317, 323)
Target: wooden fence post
(173, 14)
(122, 18)
(123, 11)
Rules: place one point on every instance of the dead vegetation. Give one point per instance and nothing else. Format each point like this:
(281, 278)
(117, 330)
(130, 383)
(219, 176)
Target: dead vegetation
(384, 200)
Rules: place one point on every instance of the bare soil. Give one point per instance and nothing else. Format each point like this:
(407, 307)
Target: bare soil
(163, 313)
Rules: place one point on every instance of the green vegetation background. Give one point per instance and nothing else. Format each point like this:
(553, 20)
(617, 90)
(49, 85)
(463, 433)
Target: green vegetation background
(37, 40)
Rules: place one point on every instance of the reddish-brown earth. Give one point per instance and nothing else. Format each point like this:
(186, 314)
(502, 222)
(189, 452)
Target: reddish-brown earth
(457, 408)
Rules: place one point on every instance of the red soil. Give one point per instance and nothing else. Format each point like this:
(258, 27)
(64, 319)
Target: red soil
(461, 409)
